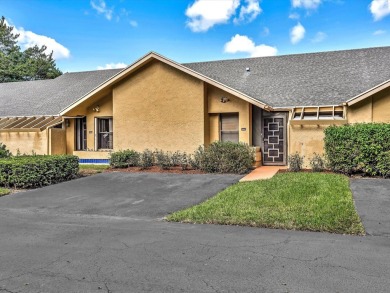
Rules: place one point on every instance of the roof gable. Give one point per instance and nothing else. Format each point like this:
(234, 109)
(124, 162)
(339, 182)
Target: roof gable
(155, 56)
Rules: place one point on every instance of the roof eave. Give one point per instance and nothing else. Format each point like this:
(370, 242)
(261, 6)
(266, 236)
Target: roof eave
(368, 93)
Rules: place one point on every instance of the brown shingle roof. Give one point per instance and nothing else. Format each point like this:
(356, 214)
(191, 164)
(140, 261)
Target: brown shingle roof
(315, 79)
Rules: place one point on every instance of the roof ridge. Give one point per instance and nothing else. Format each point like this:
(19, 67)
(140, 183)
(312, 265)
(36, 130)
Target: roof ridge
(290, 55)
(89, 71)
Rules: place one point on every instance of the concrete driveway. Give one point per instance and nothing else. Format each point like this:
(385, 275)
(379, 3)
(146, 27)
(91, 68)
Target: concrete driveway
(97, 235)
(372, 200)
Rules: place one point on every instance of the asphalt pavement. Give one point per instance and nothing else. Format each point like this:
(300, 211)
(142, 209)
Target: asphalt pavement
(87, 236)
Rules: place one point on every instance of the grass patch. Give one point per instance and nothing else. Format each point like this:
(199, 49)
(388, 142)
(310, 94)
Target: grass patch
(4, 191)
(298, 201)
(90, 169)
(93, 167)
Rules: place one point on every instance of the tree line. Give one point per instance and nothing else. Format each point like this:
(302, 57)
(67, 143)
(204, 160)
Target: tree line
(18, 65)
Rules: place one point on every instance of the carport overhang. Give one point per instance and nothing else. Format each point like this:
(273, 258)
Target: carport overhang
(28, 123)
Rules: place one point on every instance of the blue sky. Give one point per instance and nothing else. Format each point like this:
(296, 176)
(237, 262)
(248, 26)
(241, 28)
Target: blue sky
(92, 34)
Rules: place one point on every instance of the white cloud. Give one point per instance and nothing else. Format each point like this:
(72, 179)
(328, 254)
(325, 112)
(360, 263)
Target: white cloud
(379, 32)
(380, 8)
(112, 66)
(264, 50)
(319, 37)
(204, 14)
(307, 4)
(249, 11)
(244, 44)
(294, 16)
(297, 33)
(133, 23)
(265, 32)
(124, 12)
(28, 39)
(101, 7)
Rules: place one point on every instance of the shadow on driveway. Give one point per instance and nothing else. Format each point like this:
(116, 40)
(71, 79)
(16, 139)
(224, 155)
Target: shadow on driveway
(372, 199)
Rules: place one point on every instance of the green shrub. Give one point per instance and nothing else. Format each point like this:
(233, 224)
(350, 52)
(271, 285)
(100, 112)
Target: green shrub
(125, 159)
(4, 191)
(4, 153)
(317, 163)
(295, 162)
(196, 158)
(35, 171)
(163, 159)
(356, 148)
(383, 164)
(147, 159)
(180, 159)
(224, 157)
(176, 158)
(184, 161)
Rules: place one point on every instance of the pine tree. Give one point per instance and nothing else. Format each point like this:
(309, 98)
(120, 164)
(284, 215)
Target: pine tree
(17, 65)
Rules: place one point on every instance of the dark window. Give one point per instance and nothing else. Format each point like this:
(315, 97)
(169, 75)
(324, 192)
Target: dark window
(104, 133)
(229, 127)
(81, 133)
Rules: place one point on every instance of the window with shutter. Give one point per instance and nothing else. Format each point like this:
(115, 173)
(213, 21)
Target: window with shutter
(229, 129)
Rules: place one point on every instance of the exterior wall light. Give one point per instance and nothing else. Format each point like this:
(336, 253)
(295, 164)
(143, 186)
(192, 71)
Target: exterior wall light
(224, 100)
(96, 109)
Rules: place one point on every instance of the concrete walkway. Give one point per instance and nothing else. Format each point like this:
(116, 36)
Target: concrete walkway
(261, 173)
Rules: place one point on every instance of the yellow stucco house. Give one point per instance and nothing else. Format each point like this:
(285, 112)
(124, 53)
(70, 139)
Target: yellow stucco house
(279, 104)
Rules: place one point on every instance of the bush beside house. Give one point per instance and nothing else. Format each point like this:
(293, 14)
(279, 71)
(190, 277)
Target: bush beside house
(218, 157)
(37, 171)
(4, 152)
(124, 159)
(359, 148)
(225, 157)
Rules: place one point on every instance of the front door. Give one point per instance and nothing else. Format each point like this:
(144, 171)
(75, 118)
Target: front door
(81, 133)
(274, 138)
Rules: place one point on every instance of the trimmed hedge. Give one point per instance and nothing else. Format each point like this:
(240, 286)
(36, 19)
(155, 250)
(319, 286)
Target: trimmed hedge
(357, 148)
(37, 171)
(384, 164)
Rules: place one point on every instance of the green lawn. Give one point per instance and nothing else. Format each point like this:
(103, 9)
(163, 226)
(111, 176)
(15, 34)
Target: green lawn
(90, 169)
(93, 167)
(298, 201)
(4, 191)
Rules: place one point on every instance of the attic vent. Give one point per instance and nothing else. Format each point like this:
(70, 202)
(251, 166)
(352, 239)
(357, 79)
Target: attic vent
(247, 69)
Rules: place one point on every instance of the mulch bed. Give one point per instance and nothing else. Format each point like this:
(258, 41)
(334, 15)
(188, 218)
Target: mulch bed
(156, 169)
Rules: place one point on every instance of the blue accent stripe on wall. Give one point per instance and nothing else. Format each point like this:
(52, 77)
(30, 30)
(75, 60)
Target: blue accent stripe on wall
(94, 161)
